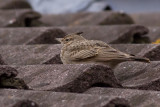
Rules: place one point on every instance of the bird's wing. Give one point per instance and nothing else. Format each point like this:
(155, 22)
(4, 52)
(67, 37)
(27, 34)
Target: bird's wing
(98, 50)
(83, 54)
(98, 43)
(107, 54)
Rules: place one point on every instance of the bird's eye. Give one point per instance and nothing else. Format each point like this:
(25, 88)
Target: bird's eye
(67, 39)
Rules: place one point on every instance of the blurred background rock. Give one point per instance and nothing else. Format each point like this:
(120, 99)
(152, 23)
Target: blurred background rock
(72, 6)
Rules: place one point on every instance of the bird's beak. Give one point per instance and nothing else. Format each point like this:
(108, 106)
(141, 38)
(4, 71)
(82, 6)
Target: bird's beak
(59, 39)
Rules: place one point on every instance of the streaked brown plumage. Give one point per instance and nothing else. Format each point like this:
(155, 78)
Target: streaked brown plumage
(78, 50)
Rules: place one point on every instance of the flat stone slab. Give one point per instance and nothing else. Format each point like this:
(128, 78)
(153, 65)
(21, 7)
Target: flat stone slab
(87, 18)
(146, 19)
(66, 78)
(25, 36)
(136, 98)
(18, 18)
(14, 4)
(139, 75)
(49, 54)
(57, 99)
(47, 35)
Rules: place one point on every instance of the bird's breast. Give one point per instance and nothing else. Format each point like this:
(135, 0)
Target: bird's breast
(64, 55)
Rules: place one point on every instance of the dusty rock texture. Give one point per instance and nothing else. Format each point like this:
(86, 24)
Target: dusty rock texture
(87, 18)
(49, 54)
(113, 34)
(136, 98)
(30, 54)
(57, 99)
(139, 75)
(8, 78)
(19, 18)
(150, 51)
(44, 35)
(67, 78)
(30, 36)
(146, 19)
(154, 33)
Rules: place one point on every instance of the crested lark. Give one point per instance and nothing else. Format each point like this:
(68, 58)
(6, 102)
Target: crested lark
(78, 50)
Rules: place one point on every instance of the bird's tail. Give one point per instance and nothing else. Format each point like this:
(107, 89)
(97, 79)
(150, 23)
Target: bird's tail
(141, 59)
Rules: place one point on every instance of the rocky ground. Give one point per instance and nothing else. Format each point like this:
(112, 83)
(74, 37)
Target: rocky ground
(32, 74)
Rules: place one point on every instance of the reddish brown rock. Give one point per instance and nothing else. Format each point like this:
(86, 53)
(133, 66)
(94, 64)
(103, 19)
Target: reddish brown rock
(66, 78)
(87, 18)
(18, 18)
(54, 99)
(136, 98)
(14, 4)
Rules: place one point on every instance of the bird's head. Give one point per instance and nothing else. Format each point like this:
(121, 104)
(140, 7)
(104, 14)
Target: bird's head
(74, 37)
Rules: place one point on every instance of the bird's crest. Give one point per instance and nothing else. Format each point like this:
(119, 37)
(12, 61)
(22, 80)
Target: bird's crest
(71, 37)
(79, 33)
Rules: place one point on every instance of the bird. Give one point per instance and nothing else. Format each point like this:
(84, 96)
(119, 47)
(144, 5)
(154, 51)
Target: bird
(78, 50)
